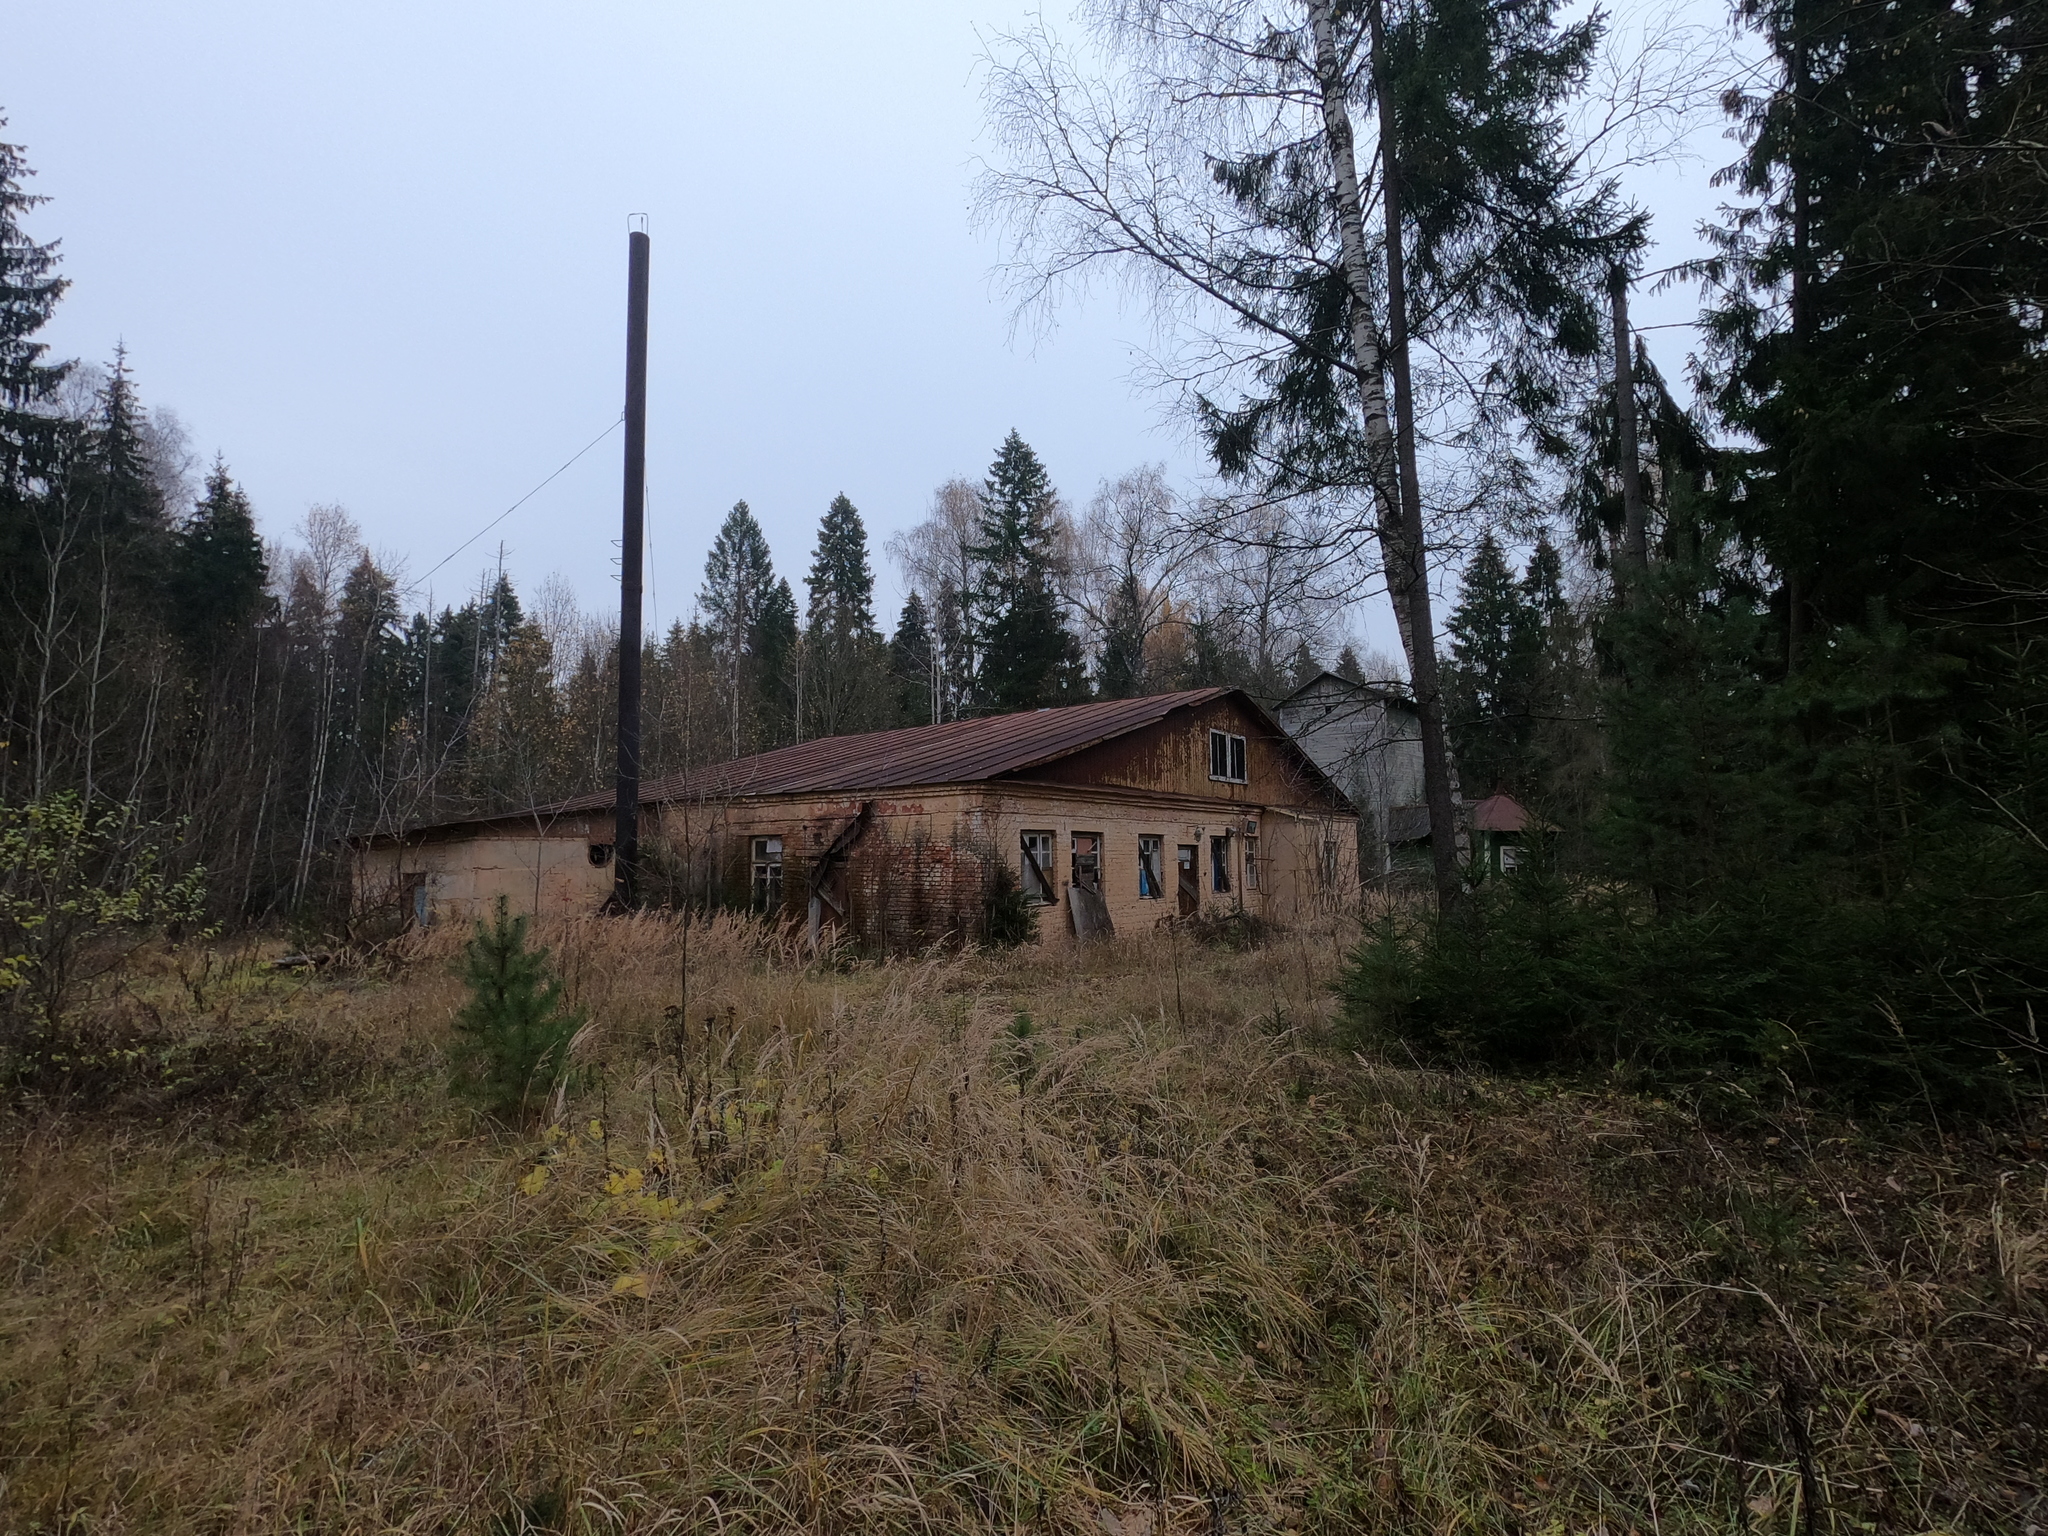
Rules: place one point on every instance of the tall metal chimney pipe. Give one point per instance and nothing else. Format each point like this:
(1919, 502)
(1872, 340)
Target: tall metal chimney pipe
(626, 834)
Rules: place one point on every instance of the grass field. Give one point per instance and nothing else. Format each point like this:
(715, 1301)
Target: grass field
(1117, 1242)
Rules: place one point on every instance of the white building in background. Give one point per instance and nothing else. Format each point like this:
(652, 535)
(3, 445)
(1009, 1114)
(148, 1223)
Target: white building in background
(1367, 738)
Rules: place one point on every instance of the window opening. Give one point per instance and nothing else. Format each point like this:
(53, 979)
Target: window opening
(1251, 863)
(767, 874)
(1330, 865)
(1151, 877)
(1219, 863)
(1087, 854)
(1035, 865)
(600, 854)
(1226, 757)
(1510, 858)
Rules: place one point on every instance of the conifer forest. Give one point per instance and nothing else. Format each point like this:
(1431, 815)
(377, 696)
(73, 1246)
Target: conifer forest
(1684, 1174)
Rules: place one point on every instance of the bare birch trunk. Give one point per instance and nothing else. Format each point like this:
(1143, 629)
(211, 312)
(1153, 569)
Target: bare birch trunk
(1396, 483)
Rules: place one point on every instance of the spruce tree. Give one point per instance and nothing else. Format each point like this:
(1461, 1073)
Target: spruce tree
(739, 581)
(845, 683)
(774, 648)
(1029, 659)
(218, 571)
(1123, 670)
(512, 1035)
(29, 291)
(910, 663)
(1496, 651)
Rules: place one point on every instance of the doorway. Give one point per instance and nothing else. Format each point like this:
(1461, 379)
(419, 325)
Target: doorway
(1190, 884)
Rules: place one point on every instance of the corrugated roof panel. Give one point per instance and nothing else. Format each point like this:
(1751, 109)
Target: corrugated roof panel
(957, 752)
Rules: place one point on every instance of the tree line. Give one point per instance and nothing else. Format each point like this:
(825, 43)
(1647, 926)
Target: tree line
(1767, 669)
(269, 699)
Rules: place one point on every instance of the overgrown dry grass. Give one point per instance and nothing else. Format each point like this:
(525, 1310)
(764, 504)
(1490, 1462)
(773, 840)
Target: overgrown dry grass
(1102, 1243)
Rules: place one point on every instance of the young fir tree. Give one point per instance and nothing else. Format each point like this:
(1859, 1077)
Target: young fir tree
(1028, 657)
(910, 663)
(845, 682)
(1348, 666)
(512, 1036)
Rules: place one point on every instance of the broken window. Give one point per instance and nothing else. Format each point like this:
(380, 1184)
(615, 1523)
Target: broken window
(1226, 757)
(767, 874)
(600, 854)
(1251, 862)
(1035, 865)
(1151, 871)
(1219, 863)
(1088, 861)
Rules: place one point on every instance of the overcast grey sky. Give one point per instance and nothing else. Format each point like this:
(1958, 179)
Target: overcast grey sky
(374, 254)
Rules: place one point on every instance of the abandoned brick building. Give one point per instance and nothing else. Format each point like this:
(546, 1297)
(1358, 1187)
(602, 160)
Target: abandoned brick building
(1110, 815)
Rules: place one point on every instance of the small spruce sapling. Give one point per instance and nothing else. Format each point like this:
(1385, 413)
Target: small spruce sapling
(512, 1036)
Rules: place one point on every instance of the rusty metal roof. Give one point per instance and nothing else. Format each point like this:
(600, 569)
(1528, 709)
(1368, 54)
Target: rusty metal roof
(957, 752)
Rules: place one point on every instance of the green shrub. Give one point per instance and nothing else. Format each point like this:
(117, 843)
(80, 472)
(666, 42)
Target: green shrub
(512, 1036)
(1914, 997)
(1008, 917)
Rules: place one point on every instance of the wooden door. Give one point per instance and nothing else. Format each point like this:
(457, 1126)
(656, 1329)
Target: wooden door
(1190, 885)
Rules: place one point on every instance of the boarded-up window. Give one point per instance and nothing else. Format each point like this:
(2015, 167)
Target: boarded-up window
(1088, 861)
(767, 874)
(1151, 871)
(1035, 865)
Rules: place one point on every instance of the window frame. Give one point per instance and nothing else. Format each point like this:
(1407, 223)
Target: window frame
(1234, 757)
(1251, 861)
(1219, 863)
(1035, 873)
(765, 890)
(1152, 846)
(1075, 856)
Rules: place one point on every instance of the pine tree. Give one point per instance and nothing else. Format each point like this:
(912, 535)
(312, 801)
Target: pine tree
(513, 1034)
(1028, 657)
(1348, 666)
(910, 663)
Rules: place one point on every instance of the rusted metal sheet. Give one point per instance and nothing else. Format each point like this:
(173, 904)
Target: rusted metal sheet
(958, 752)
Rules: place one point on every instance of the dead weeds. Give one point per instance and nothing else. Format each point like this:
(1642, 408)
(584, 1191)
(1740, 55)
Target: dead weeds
(1098, 1242)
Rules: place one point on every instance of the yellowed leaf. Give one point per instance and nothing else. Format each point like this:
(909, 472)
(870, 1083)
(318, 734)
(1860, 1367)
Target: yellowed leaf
(632, 1283)
(535, 1181)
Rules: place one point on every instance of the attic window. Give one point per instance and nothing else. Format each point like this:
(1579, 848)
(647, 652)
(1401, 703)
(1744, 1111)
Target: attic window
(1226, 757)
